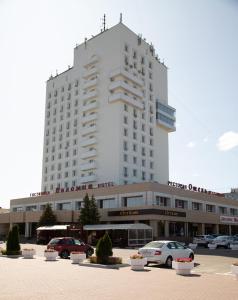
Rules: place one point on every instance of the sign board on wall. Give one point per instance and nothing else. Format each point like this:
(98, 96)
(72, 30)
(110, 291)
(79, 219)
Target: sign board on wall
(150, 211)
(228, 219)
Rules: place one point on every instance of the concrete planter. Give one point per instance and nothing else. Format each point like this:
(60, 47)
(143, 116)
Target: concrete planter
(212, 246)
(137, 263)
(234, 246)
(50, 256)
(183, 268)
(192, 246)
(234, 270)
(77, 257)
(28, 253)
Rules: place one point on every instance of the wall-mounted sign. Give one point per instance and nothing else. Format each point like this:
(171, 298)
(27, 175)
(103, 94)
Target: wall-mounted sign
(230, 220)
(193, 188)
(74, 189)
(149, 211)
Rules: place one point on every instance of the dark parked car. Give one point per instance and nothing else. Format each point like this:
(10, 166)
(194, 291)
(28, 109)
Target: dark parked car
(65, 245)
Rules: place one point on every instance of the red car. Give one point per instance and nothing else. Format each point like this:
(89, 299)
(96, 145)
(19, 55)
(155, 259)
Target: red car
(65, 245)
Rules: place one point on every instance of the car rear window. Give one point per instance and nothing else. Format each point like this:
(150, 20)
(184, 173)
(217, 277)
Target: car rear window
(154, 245)
(54, 242)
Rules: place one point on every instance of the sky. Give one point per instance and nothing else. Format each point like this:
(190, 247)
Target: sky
(198, 41)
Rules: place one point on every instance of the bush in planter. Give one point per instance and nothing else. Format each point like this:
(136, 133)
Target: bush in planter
(112, 260)
(104, 249)
(13, 245)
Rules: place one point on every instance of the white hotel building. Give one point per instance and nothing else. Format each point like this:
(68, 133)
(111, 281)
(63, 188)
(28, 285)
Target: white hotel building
(107, 118)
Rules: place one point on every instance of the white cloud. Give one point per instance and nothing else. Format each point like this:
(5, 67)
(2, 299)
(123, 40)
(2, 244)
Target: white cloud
(228, 141)
(205, 139)
(195, 175)
(191, 144)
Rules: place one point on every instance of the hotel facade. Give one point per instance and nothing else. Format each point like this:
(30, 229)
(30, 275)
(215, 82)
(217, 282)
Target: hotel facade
(107, 121)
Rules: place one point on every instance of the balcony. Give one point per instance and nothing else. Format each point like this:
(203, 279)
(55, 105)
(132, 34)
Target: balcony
(121, 84)
(90, 72)
(89, 154)
(89, 129)
(89, 118)
(165, 116)
(93, 60)
(88, 166)
(90, 95)
(90, 106)
(90, 83)
(88, 142)
(127, 75)
(125, 98)
(89, 178)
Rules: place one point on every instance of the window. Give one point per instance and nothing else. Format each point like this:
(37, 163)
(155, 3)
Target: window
(125, 120)
(196, 206)
(134, 124)
(134, 54)
(143, 151)
(143, 139)
(125, 107)
(125, 145)
(142, 60)
(126, 47)
(134, 147)
(210, 208)
(126, 60)
(133, 201)
(134, 172)
(143, 127)
(150, 65)
(222, 210)
(233, 211)
(151, 142)
(134, 135)
(143, 162)
(134, 160)
(125, 132)
(181, 204)
(151, 165)
(125, 171)
(135, 113)
(151, 131)
(143, 175)
(151, 153)
(162, 201)
(125, 157)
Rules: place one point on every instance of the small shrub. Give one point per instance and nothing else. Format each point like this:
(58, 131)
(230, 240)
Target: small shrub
(136, 256)
(104, 249)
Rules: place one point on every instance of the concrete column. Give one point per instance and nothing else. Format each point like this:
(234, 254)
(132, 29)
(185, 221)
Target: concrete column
(166, 228)
(149, 198)
(27, 229)
(229, 229)
(203, 228)
(216, 228)
(154, 225)
(186, 229)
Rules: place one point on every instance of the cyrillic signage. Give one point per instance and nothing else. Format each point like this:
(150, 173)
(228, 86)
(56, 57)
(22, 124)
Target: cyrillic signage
(149, 211)
(230, 220)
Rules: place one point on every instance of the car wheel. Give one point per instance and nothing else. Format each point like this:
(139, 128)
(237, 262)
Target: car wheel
(64, 254)
(191, 256)
(89, 252)
(168, 262)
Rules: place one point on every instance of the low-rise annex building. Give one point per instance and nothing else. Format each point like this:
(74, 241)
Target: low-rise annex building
(172, 212)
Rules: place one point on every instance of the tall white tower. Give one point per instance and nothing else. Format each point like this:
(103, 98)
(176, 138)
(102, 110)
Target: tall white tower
(107, 118)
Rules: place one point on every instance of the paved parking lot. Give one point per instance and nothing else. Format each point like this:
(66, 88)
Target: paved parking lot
(37, 279)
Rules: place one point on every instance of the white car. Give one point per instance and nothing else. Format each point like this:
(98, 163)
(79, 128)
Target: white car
(224, 241)
(164, 252)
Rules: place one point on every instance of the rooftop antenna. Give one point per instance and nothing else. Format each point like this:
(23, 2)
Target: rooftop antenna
(104, 22)
(120, 17)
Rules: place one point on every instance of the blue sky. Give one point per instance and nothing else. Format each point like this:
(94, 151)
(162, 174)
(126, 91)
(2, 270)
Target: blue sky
(198, 41)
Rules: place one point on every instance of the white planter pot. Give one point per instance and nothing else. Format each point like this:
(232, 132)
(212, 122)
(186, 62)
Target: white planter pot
(138, 263)
(192, 246)
(212, 246)
(234, 270)
(183, 268)
(28, 253)
(77, 257)
(50, 256)
(234, 246)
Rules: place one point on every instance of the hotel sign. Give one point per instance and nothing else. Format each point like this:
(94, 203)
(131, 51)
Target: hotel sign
(75, 188)
(230, 220)
(150, 211)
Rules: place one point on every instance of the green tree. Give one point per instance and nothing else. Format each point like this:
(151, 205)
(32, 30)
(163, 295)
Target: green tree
(89, 214)
(13, 245)
(104, 249)
(48, 218)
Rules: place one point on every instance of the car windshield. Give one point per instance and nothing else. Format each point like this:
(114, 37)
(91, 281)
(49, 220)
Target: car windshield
(54, 242)
(77, 242)
(221, 237)
(154, 245)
